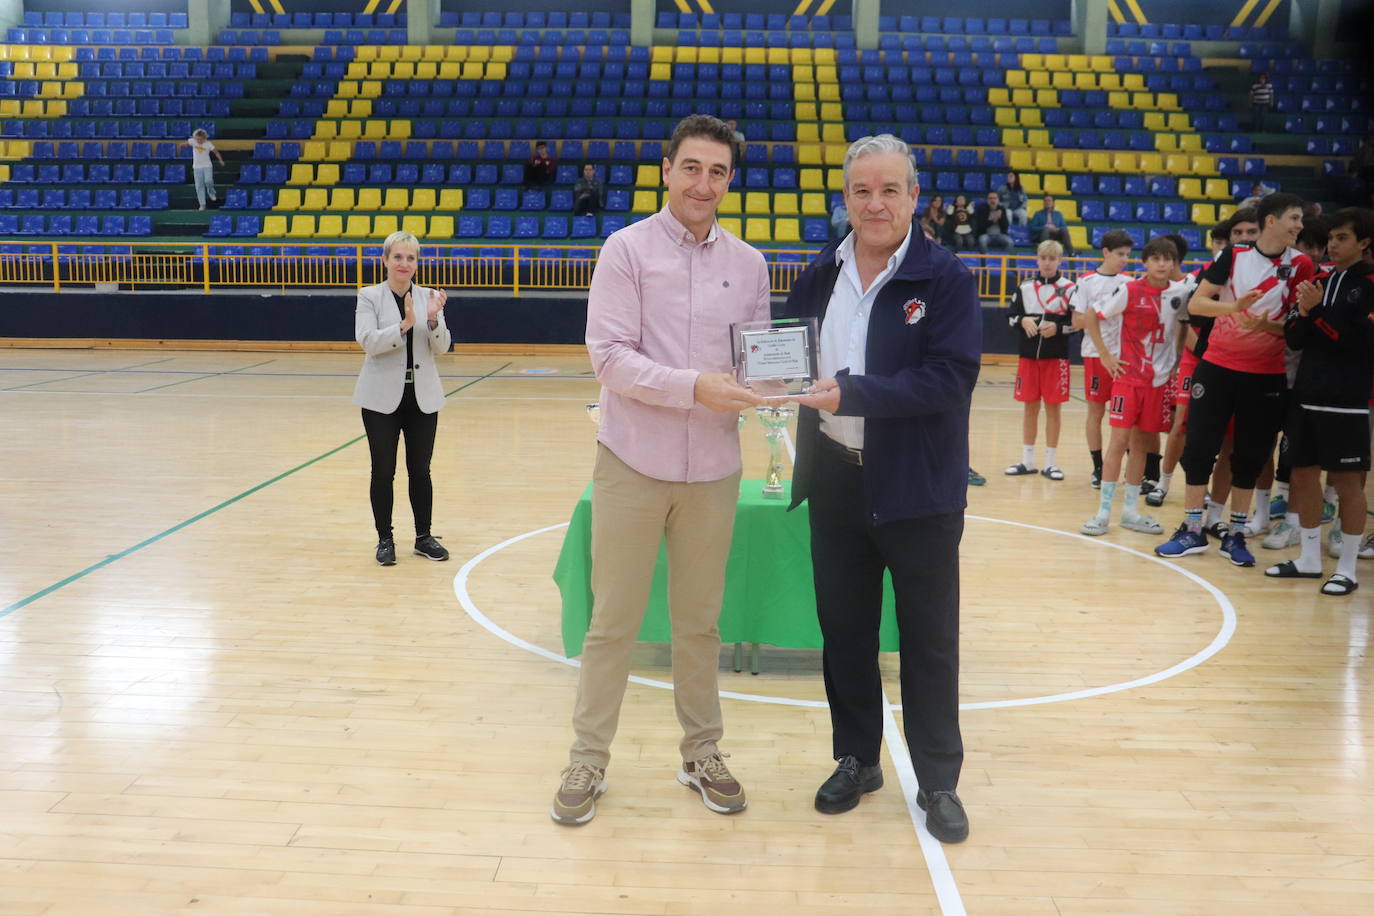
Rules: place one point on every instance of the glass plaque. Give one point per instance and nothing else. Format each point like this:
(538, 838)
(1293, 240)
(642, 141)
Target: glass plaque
(776, 359)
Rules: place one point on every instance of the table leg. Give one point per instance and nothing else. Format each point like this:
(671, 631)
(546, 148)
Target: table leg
(739, 657)
(753, 658)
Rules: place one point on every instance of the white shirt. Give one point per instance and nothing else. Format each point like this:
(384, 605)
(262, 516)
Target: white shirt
(1091, 293)
(200, 153)
(844, 333)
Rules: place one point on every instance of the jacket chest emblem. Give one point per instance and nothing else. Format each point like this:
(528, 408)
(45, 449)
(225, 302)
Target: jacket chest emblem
(913, 310)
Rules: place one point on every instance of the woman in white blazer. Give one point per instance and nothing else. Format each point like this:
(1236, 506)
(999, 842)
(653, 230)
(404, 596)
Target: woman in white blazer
(398, 388)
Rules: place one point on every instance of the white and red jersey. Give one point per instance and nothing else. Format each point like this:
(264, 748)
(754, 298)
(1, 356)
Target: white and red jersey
(1238, 270)
(1091, 292)
(1151, 320)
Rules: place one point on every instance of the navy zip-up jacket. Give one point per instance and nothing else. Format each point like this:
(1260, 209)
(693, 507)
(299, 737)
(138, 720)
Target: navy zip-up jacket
(922, 355)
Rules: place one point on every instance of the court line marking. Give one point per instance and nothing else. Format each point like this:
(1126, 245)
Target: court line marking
(83, 373)
(208, 375)
(30, 599)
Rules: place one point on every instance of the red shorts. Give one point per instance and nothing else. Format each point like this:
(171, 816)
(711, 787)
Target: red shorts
(1097, 381)
(1183, 389)
(1138, 407)
(1042, 380)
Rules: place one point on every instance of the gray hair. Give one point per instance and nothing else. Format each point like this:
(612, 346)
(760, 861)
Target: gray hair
(399, 238)
(882, 143)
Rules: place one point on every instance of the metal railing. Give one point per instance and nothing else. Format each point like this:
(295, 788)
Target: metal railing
(212, 266)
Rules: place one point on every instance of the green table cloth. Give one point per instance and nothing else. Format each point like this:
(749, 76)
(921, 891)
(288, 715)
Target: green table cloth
(769, 596)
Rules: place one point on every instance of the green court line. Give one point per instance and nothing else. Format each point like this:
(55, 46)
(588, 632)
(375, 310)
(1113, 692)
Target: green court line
(85, 374)
(24, 602)
(210, 375)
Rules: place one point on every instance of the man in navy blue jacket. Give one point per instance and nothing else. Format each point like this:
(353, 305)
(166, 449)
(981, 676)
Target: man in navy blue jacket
(882, 455)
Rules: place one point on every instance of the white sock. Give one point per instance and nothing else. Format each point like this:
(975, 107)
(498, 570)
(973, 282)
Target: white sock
(1260, 517)
(1164, 480)
(1292, 519)
(1028, 455)
(1105, 497)
(1310, 560)
(1214, 510)
(1132, 507)
(1050, 453)
(1350, 552)
(1329, 494)
(1281, 489)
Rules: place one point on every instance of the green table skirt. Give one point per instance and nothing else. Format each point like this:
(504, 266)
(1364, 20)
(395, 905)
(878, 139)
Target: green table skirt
(769, 596)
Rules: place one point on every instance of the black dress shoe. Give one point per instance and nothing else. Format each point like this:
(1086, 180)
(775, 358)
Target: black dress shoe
(945, 817)
(847, 785)
(386, 552)
(429, 546)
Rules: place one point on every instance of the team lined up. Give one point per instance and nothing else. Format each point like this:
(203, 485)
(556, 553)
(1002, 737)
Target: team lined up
(1275, 335)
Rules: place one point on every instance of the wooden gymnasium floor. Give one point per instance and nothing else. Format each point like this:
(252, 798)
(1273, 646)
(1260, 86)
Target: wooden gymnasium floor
(214, 702)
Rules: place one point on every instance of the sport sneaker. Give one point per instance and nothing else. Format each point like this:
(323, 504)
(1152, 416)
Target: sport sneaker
(975, 479)
(1155, 497)
(1145, 524)
(1328, 512)
(710, 776)
(1282, 536)
(1367, 548)
(1233, 549)
(1184, 543)
(575, 801)
(1278, 507)
(1096, 479)
(429, 546)
(386, 552)
(1333, 543)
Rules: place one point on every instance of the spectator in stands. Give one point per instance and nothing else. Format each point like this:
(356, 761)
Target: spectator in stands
(1014, 199)
(202, 172)
(990, 222)
(1048, 226)
(839, 221)
(539, 168)
(1258, 191)
(960, 203)
(588, 193)
(959, 234)
(1261, 100)
(399, 390)
(737, 134)
(934, 217)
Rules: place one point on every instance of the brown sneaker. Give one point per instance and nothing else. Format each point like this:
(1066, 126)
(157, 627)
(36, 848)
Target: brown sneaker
(575, 801)
(719, 790)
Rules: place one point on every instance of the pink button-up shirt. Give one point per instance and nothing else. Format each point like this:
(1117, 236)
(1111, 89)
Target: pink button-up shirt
(658, 314)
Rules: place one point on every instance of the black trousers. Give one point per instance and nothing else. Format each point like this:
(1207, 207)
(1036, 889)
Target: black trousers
(849, 556)
(383, 436)
(1257, 401)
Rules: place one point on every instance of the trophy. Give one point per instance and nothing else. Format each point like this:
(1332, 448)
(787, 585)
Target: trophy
(776, 359)
(774, 420)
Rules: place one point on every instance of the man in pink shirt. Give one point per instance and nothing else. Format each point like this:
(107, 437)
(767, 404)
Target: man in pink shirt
(662, 300)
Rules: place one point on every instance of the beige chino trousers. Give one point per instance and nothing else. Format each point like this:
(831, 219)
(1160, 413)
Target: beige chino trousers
(631, 515)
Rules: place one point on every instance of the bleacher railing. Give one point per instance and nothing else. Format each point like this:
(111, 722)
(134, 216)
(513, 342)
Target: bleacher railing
(217, 266)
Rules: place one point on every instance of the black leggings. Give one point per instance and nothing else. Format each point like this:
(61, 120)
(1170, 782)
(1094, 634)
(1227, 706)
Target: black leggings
(1256, 400)
(383, 434)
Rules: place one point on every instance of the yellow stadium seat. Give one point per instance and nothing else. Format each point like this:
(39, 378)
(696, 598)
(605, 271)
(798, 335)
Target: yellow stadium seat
(1190, 143)
(1175, 164)
(337, 108)
(341, 199)
(1133, 82)
(808, 111)
(832, 111)
(1101, 63)
(732, 55)
(273, 227)
(1078, 237)
(1204, 165)
(1216, 189)
(661, 54)
(396, 199)
(1069, 208)
(10, 108)
(288, 199)
(1021, 97)
(1151, 163)
(1021, 160)
(1017, 79)
(708, 55)
(450, 199)
(1099, 162)
(802, 56)
(756, 202)
(313, 150)
(1073, 161)
(472, 70)
(426, 70)
(327, 173)
(811, 180)
(1118, 100)
(330, 226)
(388, 52)
(302, 227)
(1038, 139)
(731, 224)
(423, 199)
(1190, 188)
(432, 52)
(785, 204)
(758, 230)
(403, 70)
(786, 230)
(1046, 160)
(1039, 79)
(1047, 98)
(1078, 62)
(685, 54)
(1056, 62)
(814, 205)
(1056, 185)
(1062, 80)
(1179, 121)
(1154, 120)
(301, 174)
(1225, 211)
(1084, 81)
(379, 70)
(414, 224)
(731, 203)
(349, 89)
(315, 199)
(832, 133)
(1143, 101)
(369, 200)
(339, 150)
(1168, 101)
(1204, 214)
(834, 179)
(360, 108)
(802, 74)
(645, 202)
(809, 154)
(660, 71)
(828, 92)
(358, 226)
(998, 97)
(479, 52)
(496, 70)
(1004, 117)
(384, 226)
(370, 89)
(351, 130)
(1032, 183)
(326, 130)
(778, 57)
(835, 153)
(1111, 82)
(755, 56)
(399, 130)
(441, 227)
(649, 176)
(1166, 143)
(450, 70)
(1124, 163)
(1012, 136)
(1033, 61)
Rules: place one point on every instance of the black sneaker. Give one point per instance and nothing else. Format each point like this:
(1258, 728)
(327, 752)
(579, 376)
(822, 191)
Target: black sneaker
(429, 546)
(1096, 479)
(386, 552)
